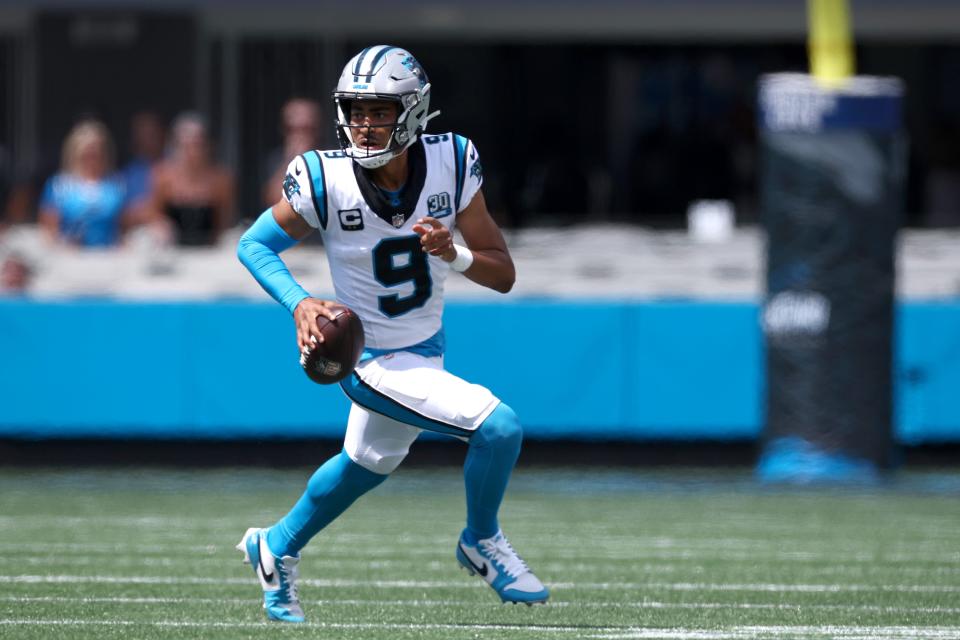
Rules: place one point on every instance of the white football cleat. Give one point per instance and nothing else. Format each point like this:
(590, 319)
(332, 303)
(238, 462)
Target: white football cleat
(494, 560)
(278, 576)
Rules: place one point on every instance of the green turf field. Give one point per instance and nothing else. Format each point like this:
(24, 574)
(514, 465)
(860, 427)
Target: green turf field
(146, 553)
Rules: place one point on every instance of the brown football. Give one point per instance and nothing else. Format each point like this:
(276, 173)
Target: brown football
(334, 359)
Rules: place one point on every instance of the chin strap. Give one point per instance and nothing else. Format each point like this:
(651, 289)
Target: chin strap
(430, 117)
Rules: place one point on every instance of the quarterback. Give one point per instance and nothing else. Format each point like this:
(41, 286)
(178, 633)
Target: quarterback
(386, 203)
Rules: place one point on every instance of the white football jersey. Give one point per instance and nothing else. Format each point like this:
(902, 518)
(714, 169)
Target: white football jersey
(378, 267)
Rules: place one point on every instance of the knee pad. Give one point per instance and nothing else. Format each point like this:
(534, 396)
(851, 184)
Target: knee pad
(379, 456)
(502, 426)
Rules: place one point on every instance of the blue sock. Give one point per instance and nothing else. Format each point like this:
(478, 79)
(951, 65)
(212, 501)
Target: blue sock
(494, 449)
(331, 489)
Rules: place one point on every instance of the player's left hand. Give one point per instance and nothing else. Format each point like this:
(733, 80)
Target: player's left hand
(435, 238)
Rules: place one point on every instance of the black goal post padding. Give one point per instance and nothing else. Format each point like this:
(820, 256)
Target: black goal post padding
(832, 178)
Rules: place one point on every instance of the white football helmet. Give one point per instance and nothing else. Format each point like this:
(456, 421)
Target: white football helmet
(383, 72)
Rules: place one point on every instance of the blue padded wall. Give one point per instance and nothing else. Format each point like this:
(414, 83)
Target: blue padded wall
(593, 370)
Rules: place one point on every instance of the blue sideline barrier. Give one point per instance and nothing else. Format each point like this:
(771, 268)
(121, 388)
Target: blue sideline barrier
(608, 370)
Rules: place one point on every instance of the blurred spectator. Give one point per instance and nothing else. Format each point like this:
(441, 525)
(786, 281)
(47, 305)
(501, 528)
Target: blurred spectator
(192, 194)
(300, 125)
(14, 274)
(85, 203)
(147, 140)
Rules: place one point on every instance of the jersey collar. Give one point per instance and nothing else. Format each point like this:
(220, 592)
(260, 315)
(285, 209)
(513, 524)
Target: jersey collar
(380, 204)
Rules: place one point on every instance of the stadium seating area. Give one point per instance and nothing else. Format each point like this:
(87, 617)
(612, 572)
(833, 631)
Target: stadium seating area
(600, 261)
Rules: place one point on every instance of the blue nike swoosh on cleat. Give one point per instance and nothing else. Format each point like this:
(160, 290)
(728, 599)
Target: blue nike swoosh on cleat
(481, 570)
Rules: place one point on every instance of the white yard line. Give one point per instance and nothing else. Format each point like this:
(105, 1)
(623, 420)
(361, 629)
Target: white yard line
(472, 602)
(596, 554)
(603, 540)
(318, 625)
(760, 632)
(108, 548)
(427, 584)
(604, 632)
(429, 563)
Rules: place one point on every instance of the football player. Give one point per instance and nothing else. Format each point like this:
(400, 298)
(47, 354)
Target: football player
(386, 203)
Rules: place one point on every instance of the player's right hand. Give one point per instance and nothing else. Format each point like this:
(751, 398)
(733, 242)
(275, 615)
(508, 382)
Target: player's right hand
(305, 316)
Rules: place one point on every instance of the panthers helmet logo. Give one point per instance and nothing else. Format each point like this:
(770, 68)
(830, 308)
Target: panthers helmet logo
(411, 63)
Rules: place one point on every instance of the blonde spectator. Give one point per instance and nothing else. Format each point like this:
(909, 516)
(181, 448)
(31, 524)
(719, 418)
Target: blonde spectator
(85, 204)
(192, 194)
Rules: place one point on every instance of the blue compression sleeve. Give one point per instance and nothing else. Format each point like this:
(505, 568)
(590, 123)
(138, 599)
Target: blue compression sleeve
(494, 449)
(258, 250)
(331, 489)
